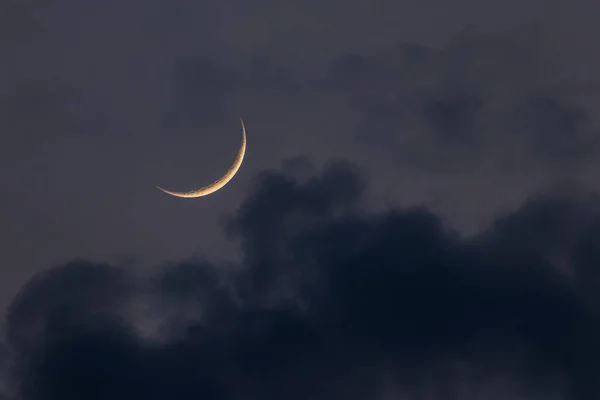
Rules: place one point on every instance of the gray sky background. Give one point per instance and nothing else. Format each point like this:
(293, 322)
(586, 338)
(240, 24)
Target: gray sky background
(454, 254)
(466, 106)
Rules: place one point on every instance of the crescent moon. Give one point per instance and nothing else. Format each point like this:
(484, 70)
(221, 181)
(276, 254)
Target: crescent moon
(219, 183)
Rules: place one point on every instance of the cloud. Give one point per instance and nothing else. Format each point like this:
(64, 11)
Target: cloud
(482, 96)
(499, 113)
(330, 300)
(48, 298)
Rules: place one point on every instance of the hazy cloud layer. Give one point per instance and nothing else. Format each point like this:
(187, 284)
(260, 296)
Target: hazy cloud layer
(482, 98)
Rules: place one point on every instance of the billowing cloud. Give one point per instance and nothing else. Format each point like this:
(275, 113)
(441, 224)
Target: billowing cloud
(330, 301)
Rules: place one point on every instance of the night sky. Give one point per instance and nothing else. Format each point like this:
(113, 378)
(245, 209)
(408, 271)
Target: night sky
(417, 216)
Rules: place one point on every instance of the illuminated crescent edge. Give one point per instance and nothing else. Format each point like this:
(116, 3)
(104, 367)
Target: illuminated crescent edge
(219, 183)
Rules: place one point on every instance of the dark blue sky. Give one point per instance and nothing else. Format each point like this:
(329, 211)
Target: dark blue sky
(468, 108)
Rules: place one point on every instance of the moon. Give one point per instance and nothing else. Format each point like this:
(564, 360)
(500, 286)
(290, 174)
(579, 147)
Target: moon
(219, 183)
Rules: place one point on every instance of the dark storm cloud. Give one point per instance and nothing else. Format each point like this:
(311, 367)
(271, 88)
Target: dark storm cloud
(48, 298)
(331, 301)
